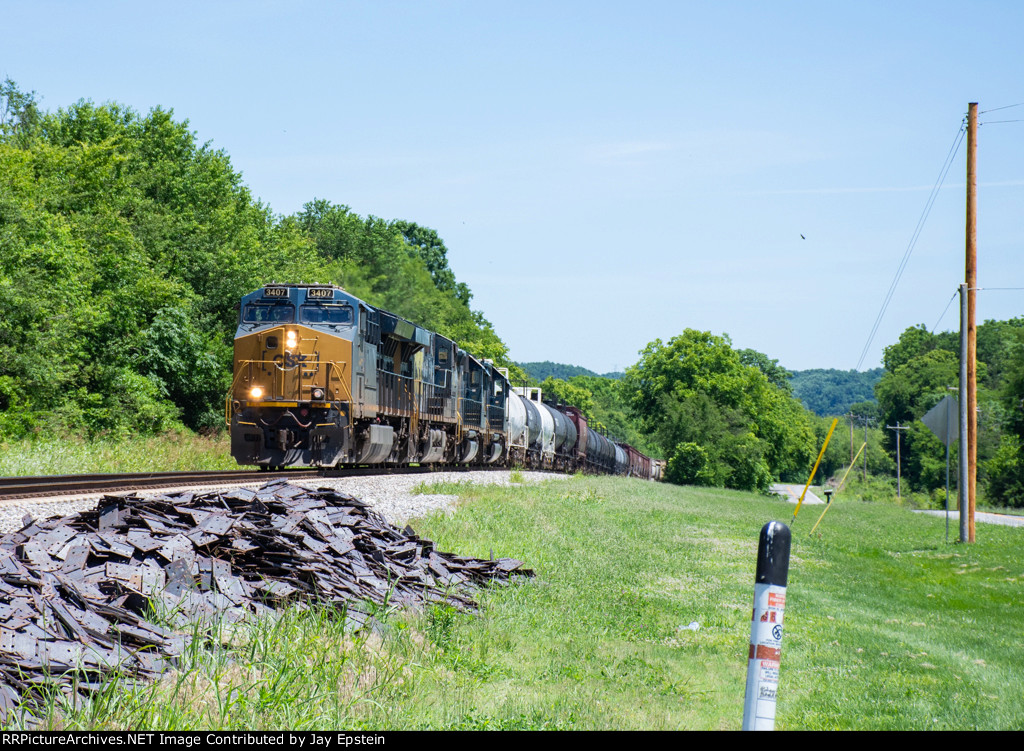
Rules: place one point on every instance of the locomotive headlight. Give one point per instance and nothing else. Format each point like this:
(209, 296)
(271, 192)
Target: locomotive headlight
(292, 338)
(256, 392)
(318, 394)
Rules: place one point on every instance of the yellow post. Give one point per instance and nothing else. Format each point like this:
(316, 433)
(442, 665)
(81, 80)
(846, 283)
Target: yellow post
(824, 446)
(846, 474)
(838, 488)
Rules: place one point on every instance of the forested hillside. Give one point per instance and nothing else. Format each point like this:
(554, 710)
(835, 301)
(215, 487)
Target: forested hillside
(125, 246)
(833, 392)
(539, 371)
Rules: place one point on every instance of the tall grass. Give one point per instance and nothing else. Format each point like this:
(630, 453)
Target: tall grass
(887, 627)
(165, 453)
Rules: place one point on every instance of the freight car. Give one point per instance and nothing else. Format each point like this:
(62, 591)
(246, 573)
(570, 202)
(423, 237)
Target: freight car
(323, 379)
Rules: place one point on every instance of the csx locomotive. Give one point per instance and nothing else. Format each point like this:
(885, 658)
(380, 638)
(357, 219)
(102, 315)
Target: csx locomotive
(323, 379)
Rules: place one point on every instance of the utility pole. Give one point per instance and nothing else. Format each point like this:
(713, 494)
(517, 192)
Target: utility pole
(971, 278)
(897, 427)
(851, 437)
(865, 449)
(962, 503)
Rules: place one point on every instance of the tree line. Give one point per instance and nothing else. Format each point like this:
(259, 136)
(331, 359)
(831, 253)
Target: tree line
(832, 392)
(920, 369)
(539, 371)
(731, 418)
(125, 246)
(719, 416)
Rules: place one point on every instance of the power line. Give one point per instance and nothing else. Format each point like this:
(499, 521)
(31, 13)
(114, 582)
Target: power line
(996, 109)
(996, 122)
(957, 140)
(976, 289)
(946, 310)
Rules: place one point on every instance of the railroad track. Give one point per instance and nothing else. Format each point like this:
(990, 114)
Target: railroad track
(61, 485)
(47, 486)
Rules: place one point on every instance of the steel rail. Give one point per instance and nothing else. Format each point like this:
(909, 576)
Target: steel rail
(46, 486)
(62, 485)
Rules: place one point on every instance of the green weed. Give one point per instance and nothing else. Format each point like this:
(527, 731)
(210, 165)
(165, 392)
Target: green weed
(446, 487)
(166, 453)
(887, 627)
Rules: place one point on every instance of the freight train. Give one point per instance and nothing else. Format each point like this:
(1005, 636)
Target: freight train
(323, 379)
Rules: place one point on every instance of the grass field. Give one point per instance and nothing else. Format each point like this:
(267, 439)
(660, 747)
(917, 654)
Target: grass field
(170, 452)
(888, 627)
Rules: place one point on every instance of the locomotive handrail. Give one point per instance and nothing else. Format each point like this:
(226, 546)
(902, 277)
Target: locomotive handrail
(346, 391)
(458, 419)
(227, 399)
(414, 421)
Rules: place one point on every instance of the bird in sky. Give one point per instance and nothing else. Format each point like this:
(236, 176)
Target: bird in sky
(802, 237)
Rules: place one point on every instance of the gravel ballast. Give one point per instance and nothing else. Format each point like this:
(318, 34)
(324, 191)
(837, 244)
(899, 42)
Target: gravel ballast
(389, 495)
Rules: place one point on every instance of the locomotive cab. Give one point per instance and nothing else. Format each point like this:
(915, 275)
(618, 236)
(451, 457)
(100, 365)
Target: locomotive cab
(291, 394)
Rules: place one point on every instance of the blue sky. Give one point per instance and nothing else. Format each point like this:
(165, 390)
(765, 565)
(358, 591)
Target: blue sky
(604, 173)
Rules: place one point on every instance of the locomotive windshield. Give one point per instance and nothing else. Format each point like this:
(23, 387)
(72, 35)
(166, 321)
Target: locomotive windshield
(332, 315)
(268, 313)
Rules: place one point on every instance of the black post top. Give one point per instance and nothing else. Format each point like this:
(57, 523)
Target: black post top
(773, 555)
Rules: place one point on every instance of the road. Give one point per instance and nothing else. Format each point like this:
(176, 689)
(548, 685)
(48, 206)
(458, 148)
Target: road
(792, 493)
(985, 517)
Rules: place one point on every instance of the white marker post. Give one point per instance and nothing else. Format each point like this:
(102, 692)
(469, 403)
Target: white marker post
(766, 627)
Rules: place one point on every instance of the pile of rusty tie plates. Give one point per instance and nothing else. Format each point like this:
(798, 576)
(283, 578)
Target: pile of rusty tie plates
(77, 593)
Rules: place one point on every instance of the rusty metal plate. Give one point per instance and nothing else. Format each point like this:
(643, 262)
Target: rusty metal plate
(143, 541)
(117, 544)
(200, 538)
(76, 556)
(110, 517)
(58, 538)
(17, 643)
(217, 524)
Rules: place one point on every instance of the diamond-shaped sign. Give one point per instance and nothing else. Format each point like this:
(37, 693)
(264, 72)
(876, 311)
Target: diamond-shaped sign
(944, 420)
